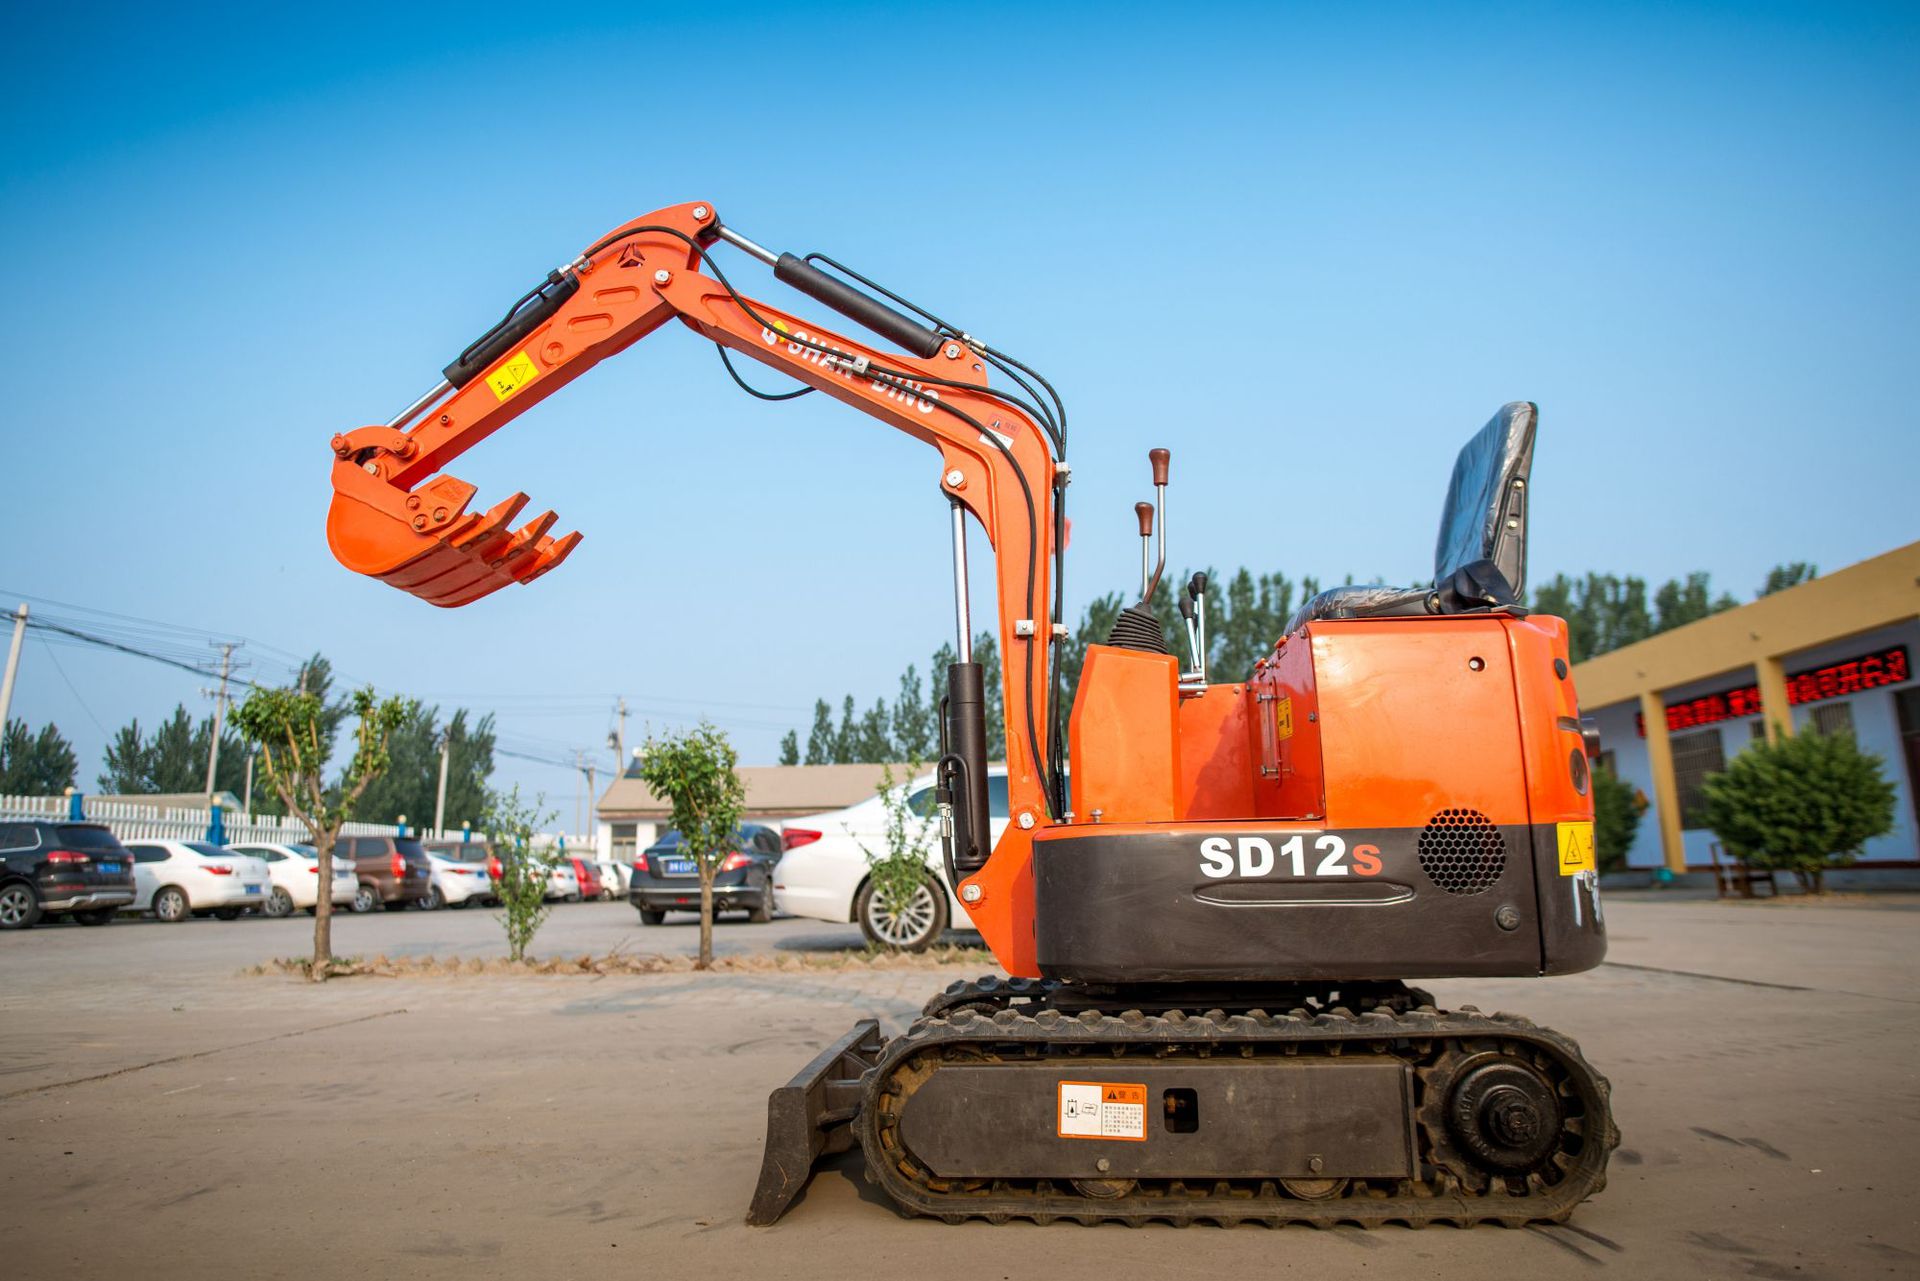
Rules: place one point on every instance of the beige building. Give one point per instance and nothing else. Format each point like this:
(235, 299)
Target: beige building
(1834, 654)
(635, 817)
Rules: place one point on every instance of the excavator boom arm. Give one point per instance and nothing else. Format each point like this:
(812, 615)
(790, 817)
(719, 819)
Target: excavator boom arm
(395, 517)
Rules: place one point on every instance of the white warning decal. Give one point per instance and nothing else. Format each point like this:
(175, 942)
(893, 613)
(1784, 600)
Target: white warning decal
(1102, 1110)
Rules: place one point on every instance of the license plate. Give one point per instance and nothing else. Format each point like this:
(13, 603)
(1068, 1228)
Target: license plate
(108, 867)
(679, 867)
(253, 889)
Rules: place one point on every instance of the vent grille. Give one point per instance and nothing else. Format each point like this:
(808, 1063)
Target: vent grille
(1462, 852)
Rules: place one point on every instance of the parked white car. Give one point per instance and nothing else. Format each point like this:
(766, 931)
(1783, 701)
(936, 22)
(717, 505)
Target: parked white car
(460, 876)
(294, 870)
(823, 874)
(178, 879)
(562, 883)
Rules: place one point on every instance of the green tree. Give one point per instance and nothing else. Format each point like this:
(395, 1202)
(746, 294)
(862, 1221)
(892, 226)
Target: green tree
(32, 764)
(915, 736)
(1792, 574)
(411, 784)
(790, 748)
(1682, 601)
(846, 739)
(1617, 807)
(174, 759)
(696, 773)
(874, 740)
(289, 727)
(525, 870)
(1804, 803)
(820, 743)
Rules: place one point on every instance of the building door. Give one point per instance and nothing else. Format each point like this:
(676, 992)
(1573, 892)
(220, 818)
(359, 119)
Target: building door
(1906, 703)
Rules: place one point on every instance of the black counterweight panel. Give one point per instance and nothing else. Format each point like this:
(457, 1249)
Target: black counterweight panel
(1136, 907)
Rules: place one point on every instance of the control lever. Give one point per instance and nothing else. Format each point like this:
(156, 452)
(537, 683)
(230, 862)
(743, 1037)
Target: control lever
(1185, 604)
(1144, 513)
(1159, 458)
(1197, 591)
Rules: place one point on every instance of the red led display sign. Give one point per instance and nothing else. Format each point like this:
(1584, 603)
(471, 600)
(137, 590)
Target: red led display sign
(1869, 671)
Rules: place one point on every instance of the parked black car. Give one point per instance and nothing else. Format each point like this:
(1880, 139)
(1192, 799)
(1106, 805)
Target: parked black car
(61, 869)
(665, 879)
(393, 870)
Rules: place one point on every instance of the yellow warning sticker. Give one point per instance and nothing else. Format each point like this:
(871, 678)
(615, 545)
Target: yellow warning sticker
(1576, 849)
(1103, 1110)
(514, 373)
(1283, 718)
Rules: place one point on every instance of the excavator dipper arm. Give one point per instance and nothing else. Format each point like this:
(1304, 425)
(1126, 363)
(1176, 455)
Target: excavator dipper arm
(395, 518)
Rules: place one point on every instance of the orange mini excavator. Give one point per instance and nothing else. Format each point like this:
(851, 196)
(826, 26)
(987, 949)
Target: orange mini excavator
(1209, 897)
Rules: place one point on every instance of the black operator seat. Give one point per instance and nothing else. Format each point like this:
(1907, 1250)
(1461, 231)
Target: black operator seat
(1480, 559)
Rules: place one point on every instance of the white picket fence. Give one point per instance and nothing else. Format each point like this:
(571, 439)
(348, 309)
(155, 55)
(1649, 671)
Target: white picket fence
(132, 821)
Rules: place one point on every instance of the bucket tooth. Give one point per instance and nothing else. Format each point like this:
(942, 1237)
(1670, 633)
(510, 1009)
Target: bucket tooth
(427, 543)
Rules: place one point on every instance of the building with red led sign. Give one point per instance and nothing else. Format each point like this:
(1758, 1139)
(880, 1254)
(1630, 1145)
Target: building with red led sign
(1869, 671)
(1832, 655)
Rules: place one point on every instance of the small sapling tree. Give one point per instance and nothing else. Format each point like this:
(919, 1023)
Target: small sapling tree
(902, 907)
(290, 728)
(1803, 804)
(694, 772)
(525, 872)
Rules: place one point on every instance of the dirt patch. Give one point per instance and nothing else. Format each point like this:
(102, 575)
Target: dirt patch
(393, 967)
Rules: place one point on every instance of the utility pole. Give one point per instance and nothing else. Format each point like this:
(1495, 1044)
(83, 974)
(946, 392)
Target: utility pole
(592, 797)
(219, 713)
(246, 802)
(13, 666)
(440, 797)
(619, 744)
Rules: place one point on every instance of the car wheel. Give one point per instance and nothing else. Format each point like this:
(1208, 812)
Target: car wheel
(97, 916)
(763, 914)
(170, 905)
(433, 900)
(19, 906)
(908, 927)
(651, 916)
(227, 913)
(279, 903)
(366, 898)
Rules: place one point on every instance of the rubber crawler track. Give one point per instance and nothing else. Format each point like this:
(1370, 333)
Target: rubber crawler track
(993, 1019)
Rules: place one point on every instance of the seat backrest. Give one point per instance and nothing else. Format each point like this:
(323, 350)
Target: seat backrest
(1485, 517)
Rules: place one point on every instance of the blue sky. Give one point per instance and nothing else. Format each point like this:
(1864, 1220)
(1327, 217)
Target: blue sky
(1308, 250)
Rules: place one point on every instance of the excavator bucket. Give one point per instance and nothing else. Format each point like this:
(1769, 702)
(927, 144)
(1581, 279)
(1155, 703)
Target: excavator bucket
(427, 543)
(810, 1117)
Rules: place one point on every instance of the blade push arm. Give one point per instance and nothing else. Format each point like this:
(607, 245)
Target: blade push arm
(394, 518)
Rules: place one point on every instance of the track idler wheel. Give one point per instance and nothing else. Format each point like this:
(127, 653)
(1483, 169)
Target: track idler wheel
(1505, 1116)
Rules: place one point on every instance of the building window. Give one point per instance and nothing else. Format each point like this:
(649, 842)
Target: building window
(1606, 763)
(1833, 718)
(1695, 757)
(1758, 729)
(1906, 706)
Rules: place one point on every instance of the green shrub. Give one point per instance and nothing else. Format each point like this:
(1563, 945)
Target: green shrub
(1802, 804)
(1617, 807)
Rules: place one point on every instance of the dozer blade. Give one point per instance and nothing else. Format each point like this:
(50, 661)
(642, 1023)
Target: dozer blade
(811, 1116)
(426, 542)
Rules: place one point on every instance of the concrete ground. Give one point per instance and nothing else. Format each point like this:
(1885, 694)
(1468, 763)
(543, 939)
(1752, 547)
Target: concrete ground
(163, 1115)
